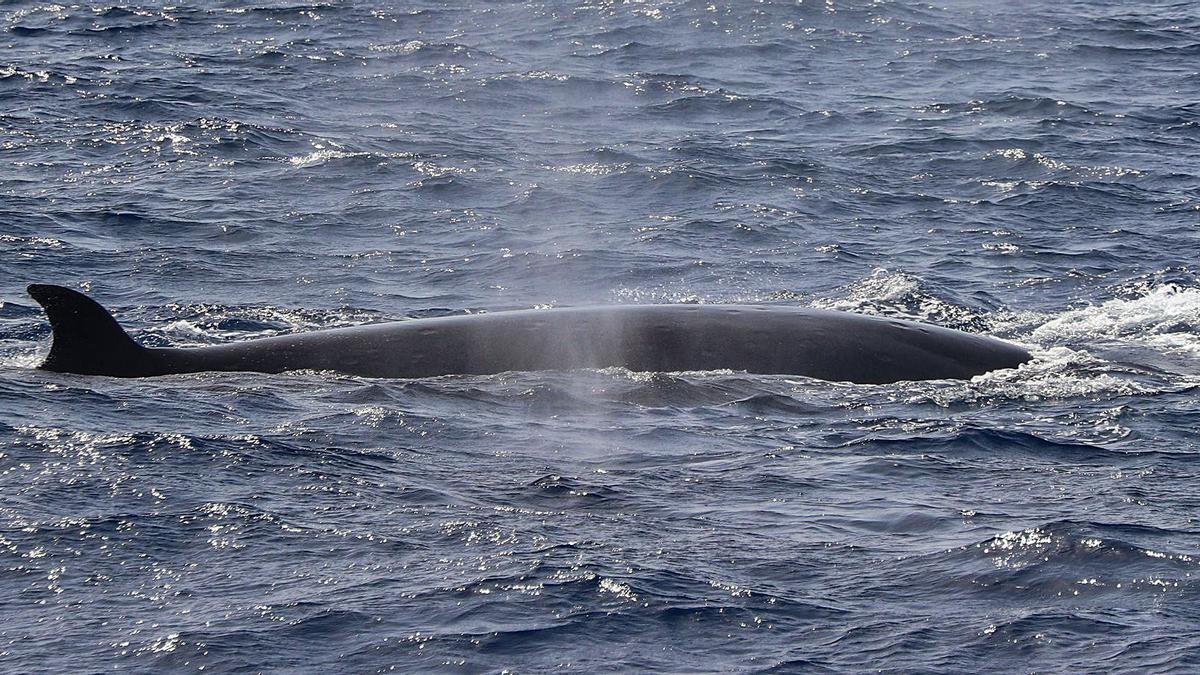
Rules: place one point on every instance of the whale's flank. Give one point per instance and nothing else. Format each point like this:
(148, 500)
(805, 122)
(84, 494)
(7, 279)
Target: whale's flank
(836, 346)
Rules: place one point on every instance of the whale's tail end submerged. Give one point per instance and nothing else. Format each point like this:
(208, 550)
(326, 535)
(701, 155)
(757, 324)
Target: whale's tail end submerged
(87, 339)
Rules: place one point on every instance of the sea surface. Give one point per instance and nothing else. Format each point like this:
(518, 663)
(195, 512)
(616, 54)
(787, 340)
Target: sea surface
(226, 170)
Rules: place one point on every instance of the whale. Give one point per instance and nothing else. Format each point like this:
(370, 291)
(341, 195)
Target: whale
(762, 339)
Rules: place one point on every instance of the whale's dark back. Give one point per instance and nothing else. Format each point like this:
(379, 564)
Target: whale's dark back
(835, 346)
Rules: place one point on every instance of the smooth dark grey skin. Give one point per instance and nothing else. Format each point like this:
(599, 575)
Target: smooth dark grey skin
(827, 345)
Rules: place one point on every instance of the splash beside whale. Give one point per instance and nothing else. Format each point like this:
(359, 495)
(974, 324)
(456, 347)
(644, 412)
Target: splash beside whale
(828, 345)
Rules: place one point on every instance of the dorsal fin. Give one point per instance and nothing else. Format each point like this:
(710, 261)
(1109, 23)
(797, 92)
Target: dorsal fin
(87, 339)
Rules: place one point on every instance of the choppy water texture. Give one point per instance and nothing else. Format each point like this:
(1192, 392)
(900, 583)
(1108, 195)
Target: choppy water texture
(226, 170)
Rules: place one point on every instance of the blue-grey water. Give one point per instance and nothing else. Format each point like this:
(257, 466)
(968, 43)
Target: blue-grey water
(216, 171)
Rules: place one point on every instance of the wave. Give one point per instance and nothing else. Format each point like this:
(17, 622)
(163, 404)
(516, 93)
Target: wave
(434, 53)
(993, 443)
(202, 324)
(722, 104)
(1040, 107)
(902, 294)
(1117, 52)
(1081, 559)
(566, 492)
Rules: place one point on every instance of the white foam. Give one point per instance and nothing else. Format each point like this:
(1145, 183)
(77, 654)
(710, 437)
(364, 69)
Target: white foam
(24, 358)
(898, 294)
(318, 157)
(409, 47)
(323, 154)
(881, 286)
(592, 168)
(1165, 310)
(1183, 343)
(1053, 374)
(38, 242)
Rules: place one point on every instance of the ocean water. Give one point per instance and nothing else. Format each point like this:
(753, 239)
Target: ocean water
(227, 170)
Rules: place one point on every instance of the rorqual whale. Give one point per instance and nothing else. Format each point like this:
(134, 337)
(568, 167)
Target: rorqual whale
(823, 344)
